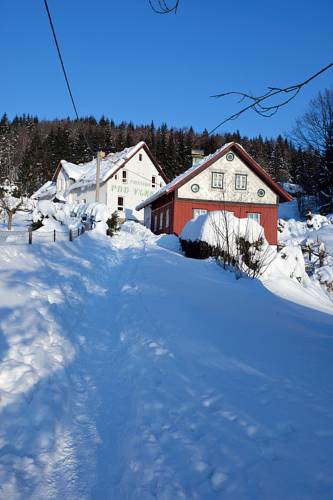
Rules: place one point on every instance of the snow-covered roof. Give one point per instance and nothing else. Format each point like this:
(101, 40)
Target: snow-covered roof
(48, 190)
(75, 171)
(177, 180)
(108, 167)
(292, 188)
(205, 162)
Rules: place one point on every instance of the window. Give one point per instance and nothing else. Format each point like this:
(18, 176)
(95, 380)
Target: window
(153, 181)
(167, 217)
(217, 180)
(161, 220)
(241, 182)
(124, 176)
(140, 157)
(120, 204)
(254, 216)
(155, 222)
(115, 177)
(198, 211)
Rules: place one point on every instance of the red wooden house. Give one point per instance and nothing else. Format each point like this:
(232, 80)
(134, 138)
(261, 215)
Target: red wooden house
(229, 179)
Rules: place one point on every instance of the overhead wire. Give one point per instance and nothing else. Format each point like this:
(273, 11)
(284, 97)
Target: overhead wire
(64, 71)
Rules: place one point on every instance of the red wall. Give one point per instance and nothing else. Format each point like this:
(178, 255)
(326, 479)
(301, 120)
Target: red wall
(183, 212)
(156, 211)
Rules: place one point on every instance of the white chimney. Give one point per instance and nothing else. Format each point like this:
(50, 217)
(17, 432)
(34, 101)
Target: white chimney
(197, 155)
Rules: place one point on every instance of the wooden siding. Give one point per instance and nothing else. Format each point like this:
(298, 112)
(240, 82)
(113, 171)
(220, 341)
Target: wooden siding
(183, 212)
(156, 212)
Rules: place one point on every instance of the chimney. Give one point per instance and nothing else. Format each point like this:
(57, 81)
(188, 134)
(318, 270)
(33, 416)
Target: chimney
(197, 155)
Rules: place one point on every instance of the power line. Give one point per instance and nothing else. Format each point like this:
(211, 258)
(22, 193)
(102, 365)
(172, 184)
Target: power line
(63, 69)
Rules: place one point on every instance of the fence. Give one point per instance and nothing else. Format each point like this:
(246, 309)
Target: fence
(31, 237)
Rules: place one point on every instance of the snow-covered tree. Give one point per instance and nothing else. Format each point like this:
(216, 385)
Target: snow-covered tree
(10, 201)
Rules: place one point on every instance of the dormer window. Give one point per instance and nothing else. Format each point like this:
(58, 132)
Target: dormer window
(241, 182)
(124, 178)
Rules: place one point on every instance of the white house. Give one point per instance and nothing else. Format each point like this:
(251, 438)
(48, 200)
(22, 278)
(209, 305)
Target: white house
(126, 179)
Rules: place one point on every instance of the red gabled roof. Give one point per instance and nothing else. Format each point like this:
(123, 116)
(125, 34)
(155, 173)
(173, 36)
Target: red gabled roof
(209, 160)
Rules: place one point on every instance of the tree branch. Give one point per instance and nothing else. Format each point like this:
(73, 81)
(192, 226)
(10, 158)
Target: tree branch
(162, 7)
(259, 103)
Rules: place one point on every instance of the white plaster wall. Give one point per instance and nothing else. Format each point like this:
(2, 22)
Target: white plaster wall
(63, 182)
(137, 188)
(87, 194)
(228, 193)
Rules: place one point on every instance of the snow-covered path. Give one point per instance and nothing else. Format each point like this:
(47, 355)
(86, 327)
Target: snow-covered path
(130, 372)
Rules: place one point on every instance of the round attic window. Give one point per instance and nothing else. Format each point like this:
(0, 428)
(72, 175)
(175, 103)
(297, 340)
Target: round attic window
(195, 188)
(261, 193)
(230, 156)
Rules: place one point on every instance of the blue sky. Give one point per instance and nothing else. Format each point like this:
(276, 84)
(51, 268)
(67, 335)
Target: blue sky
(128, 63)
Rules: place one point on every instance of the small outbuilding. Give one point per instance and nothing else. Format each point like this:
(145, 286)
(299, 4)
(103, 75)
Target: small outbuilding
(229, 179)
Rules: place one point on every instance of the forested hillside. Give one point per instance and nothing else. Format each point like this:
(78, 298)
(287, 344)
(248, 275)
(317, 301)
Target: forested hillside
(30, 149)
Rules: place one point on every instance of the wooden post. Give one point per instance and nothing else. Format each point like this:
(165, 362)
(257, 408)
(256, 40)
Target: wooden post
(30, 235)
(54, 235)
(70, 235)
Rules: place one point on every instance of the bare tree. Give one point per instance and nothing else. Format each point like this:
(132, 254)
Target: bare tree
(314, 131)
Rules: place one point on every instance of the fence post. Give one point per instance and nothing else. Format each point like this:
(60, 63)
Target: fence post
(54, 235)
(70, 235)
(30, 235)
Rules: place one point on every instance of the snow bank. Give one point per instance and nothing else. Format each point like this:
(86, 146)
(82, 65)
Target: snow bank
(315, 236)
(44, 208)
(289, 262)
(221, 228)
(131, 373)
(293, 229)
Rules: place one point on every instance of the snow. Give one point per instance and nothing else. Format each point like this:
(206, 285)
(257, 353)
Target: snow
(214, 227)
(131, 372)
(75, 171)
(47, 191)
(85, 173)
(292, 188)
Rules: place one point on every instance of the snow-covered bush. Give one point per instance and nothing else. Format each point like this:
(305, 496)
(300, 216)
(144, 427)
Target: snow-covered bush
(237, 242)
(98, 214)
(289, 262)
(314, 238)
(324, 275)
(316, 221)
